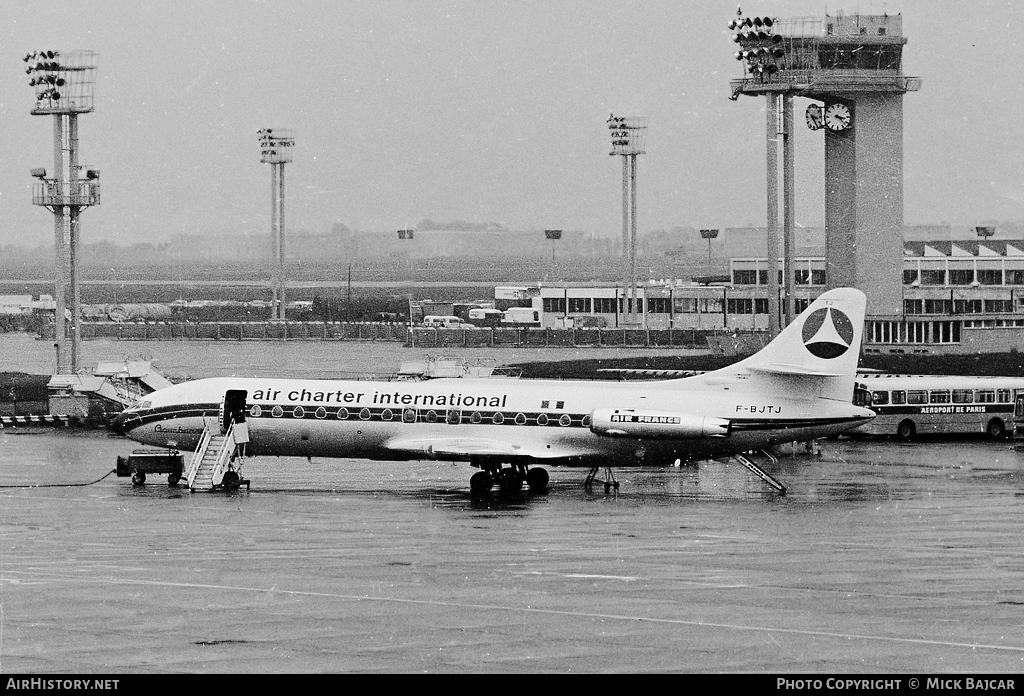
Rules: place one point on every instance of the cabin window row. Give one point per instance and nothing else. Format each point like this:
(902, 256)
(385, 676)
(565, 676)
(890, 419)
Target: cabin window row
(452, 416)
(941, 396)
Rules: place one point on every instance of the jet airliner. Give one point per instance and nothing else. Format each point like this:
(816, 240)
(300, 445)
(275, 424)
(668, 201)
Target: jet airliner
(799, 387)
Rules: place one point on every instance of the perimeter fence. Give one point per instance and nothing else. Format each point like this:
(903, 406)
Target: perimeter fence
(719, 341)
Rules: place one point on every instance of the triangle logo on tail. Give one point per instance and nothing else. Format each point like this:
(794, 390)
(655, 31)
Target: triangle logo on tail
(827, 333)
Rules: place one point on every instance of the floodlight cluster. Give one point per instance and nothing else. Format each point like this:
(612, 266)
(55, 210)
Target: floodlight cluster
(271, 142)
(620, 130)
(627, 134)
(760, 46)
(45, 69)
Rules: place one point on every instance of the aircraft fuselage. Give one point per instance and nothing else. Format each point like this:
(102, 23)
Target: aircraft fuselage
(462, 419)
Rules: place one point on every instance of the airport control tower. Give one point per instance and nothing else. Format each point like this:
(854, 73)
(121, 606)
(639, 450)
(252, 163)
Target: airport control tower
(850, 66)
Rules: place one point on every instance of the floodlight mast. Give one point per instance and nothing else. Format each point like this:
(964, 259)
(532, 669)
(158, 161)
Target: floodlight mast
(553, 235)
(709, 234)
(64, 82)
(276, 149)
(628, 134)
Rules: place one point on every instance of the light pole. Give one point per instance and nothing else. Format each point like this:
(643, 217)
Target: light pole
(64, 82)
(553, 235)
(628, 134)
(276, 150)
(408, 234)
(763, 51)
(709, 235)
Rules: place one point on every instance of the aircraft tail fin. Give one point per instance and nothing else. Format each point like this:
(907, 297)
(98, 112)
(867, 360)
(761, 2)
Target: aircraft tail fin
(818, 352)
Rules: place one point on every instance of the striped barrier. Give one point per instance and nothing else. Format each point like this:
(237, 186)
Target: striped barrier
(56, 421)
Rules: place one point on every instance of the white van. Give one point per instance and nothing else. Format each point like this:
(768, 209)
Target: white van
(521, 316)
(435, 321)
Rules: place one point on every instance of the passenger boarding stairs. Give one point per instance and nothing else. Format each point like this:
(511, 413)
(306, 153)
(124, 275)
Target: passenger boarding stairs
(213, 466)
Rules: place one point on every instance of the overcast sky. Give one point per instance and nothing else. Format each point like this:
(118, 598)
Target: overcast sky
(484, 111)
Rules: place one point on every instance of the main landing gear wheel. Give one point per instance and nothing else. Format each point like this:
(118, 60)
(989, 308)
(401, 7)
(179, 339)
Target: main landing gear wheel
(537, 480)
(480, 483)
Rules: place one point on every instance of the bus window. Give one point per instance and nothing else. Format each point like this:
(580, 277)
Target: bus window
(899, 396)
(985, 396)
(1003, 396)
(963, 396)
(861, 395)
(1018, 412)
(879, 398)
(917, 397)
(939, 396)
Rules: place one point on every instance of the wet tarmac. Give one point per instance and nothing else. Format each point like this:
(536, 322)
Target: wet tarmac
(882, 558)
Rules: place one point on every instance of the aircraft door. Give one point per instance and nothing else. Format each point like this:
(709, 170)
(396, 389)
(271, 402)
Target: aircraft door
(233, 408)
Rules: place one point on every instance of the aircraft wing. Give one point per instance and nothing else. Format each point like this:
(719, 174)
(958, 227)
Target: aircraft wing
(467, 448)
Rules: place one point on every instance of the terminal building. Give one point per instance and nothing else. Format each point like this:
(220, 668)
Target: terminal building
(925, 294)
(957, 295)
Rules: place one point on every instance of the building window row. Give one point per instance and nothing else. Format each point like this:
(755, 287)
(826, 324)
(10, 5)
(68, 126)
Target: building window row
(962, 276)
(919, 306)
(801, 276)
(865, 57)
(579, 305)
(599, 305)
(656, 305)
(913, 332)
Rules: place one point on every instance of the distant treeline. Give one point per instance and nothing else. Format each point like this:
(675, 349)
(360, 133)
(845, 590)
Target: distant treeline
(374, 308)
(358, 309)
(167, 292)
(494, 270)
(20, 322)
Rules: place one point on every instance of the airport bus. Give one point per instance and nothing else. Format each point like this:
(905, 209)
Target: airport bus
(911, 405)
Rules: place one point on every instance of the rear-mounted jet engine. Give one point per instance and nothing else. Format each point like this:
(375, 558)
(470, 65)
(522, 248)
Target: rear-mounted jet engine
(615, 422)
